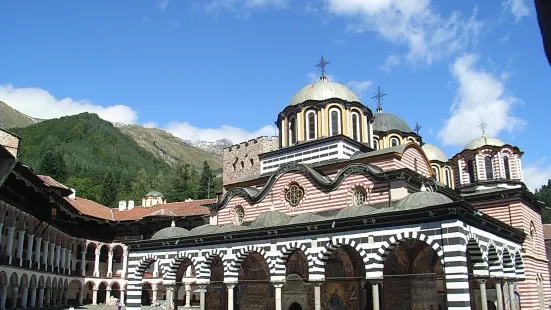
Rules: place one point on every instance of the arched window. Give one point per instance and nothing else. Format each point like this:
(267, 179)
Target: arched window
(506, 168)
(311, 122)
(415, 164)
(394, 141)
(292, 131)
(359, 196)
(448, 177)
(489, 168)
(335, 122)
(471, 169)
(239, 214)
(356, 127)
(436, 173)
(375, 144)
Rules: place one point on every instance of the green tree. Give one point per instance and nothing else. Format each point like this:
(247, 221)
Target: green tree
(205, 188)
(141, 185)
(84, 187)
(108, 195)
(53, 164)
(180, 184)
(544, 194)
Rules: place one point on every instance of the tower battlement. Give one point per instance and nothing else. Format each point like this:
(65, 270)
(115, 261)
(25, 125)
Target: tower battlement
(242, 160)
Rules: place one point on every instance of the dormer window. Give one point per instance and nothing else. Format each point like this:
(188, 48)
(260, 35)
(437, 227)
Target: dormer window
(394, 141)
(292, 131)
(436, 172)
(335, 122)
(506, 168)
(375, 144)
(447, 175)
(356, 126)
(311, 122)
(471, 170)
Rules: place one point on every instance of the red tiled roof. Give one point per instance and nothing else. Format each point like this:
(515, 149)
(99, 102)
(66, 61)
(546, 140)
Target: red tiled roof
(546, 231)
(93, 209)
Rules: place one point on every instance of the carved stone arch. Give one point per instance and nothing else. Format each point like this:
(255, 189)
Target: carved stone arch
(142, 266)
(477, 253)
(235, 265)
(171, 271)
(65, 283)
(494, 263)
(41, 282)
(24, 281)
(508, 263)
(48, 282)
(34, 282)
(328, 249)
(20, 220)
(389, 245)
(203, 273)
(519, 265)
(285, 253)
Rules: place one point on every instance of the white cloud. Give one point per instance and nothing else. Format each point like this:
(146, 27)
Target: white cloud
(536, 174)
(359, 87)
(390, 62)
(150, 125)
(427, 35)
(187, 131)
(480, 96)
(40, 103)
(162, 5)
(518, 8)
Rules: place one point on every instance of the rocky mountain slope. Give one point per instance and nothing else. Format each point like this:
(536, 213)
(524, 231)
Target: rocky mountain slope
(10, 117)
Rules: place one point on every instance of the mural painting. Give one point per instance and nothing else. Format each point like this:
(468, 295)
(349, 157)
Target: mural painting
(342, 287)
(254, 290)
(216, 296)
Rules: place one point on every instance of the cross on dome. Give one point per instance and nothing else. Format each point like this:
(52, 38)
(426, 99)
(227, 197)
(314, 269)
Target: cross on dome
(379, 99)
(322, 65)
(483, 125)
(417, 128)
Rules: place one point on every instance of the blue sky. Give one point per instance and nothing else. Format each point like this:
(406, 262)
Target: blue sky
(224, 68)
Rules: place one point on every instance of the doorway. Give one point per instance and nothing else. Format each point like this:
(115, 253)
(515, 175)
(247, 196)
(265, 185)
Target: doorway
(295, 306)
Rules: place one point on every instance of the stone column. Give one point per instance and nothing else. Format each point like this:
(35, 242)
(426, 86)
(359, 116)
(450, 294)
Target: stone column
(229, 288)
(124, 265)
(317, 295)
(68, 264)
(1, 235)
(51, 261)
(375, 295)
(188, 295)
(122, 296)
(95, 296)
(45, 254)
(169, 297)
(154, 297)
(278, 287)
(203, 296)
(155, 269)
(14, 296)
(24, 296)
(83, 263)
(65, 293)
(512, 299)
(40, 297)
(107, 295)
(499, 295)
(81, 297)
(483, 298)
(20, 239)
(96, 263)
(9, 243)
(57, 256)
(3, 295)
(110, 264)
(30, 240)
(33, 297)
(62, 260)
(37, 251)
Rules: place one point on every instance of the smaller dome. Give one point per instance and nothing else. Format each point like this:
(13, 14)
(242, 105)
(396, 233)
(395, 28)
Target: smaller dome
(204, 229)
(355, 210)
(170, 232)
(434, 153)
(306, 218)
(154, 194)
(271, 218)
(386, 122)
(483, 141)
(422, 200)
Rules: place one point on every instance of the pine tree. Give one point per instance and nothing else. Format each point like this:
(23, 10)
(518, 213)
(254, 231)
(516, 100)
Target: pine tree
(108, 195)
(141, 185)
(179, 181)
(205, 189)
(53, 164)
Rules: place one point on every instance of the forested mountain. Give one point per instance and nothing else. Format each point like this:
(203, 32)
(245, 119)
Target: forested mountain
(544, 194)
(103, 164)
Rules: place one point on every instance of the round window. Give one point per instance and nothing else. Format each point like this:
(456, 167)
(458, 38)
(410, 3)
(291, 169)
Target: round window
(294, 194)
(239, 215)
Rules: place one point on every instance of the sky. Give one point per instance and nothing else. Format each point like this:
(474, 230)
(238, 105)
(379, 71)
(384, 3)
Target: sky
(211, 69)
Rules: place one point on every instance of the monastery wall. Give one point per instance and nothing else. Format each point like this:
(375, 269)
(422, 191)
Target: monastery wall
(9, 141)
(241, 160)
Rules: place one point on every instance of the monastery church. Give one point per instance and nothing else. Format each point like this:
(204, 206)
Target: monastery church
(345, 209)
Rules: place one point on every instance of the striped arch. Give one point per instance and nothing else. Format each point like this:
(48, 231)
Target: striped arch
(203, 274)
(519, 266)
(389, 245)
(233, 270)
(174, 266)
(133, 287)
(323, 256)
(508, 264)
(285, 253)
(494, 263)
(480, 265)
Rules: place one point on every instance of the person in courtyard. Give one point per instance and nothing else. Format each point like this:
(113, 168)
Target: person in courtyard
(118, 304)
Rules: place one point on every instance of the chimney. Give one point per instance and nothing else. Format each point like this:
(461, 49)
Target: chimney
(130, 205)
(73, 196)
(188, 200)
(122, 205)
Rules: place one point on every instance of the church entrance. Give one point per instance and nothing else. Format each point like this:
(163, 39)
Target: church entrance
(295, 306)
